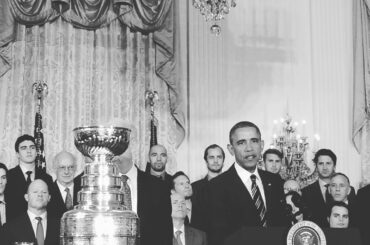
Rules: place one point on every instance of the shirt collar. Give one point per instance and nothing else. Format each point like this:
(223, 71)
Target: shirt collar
(33, 216)
(62, 187)
(322, 184)
(131, 174)
(182, 229)
(24, 169)
(244, 174)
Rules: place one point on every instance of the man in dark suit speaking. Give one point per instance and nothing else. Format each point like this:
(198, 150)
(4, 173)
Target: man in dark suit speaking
(244, 195)
(33, 226)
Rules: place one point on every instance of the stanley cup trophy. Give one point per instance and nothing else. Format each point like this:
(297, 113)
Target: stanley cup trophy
(100, 217)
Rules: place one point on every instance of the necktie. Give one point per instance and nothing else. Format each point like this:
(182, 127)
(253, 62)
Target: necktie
(178, 240)
(39, 232)
(126, 192)
(68, 201)
(327, 195)
(258, 201)
(28, 178)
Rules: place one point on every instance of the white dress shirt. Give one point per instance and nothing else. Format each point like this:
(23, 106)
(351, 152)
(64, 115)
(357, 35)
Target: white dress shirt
(182, 235)
(132, 183)
(34, 221)
(2, 210)
(62, 189)
(245, 176)
(24, 170)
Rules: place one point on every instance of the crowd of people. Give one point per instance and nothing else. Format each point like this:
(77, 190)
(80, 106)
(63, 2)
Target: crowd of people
(171, 209)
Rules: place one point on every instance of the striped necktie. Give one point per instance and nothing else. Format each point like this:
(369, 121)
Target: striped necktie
(258, 201)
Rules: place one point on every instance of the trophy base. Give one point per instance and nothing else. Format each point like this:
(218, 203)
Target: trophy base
(88, 227)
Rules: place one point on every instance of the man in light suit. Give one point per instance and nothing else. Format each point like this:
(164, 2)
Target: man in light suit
(34, 225)
(65, 188)
(184, 234)
(20, 176)
(232, 202)
(150, 199)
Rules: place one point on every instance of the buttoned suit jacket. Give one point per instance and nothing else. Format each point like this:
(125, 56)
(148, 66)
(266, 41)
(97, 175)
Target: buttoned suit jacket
(15, 189)
(232, 206)
(154, 210)
(20, 230)
(57, 207)
(193, 236)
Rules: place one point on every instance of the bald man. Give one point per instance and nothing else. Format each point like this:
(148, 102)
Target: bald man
(65, 188)
(33, 226)
(158, 161)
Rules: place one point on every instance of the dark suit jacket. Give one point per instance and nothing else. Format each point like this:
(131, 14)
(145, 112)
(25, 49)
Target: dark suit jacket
(316, 204)
(17, 187)
(154, 210)
(20, 230)
(200, 205)
(362, 213)
(56, 206)
(232, 206)
(193, 237)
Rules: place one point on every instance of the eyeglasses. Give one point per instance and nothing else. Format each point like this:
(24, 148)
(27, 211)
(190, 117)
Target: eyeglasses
(64, 168)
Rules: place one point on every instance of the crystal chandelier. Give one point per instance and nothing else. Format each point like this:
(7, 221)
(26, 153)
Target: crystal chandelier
(294, 147)
(214, 10)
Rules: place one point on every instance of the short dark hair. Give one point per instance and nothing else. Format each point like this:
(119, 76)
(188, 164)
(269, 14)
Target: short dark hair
(177, 174)
(340, 174)
(272, 151)
(243, 124)
(325, 152)
(336, 204)
(213, 146)
(3, 166)
(22, 138)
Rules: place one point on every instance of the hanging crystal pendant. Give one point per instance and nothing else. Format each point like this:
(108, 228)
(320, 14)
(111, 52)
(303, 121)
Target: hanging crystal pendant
(214, 10)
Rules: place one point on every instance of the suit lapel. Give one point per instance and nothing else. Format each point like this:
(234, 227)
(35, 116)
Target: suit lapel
(238, 189)
(59, 197)
(50, 230)
(29, 230)
(140, 182)
(189, 236)
(267, 188)
(318, 193)
(20, 175)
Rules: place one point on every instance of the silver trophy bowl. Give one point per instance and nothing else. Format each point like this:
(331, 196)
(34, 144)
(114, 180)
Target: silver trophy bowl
(100, 216)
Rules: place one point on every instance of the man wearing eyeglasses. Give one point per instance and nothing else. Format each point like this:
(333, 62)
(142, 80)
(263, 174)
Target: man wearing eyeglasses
(22, 175)
(65, 188)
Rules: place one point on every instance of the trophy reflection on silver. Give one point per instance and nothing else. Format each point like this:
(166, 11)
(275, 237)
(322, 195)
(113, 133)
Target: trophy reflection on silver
(100, 217)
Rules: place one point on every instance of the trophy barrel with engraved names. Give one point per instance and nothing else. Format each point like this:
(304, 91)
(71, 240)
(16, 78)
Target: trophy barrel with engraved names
(100, 216)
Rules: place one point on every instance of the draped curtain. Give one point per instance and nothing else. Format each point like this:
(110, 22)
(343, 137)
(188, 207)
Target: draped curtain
(98, 58)
(361, 97)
